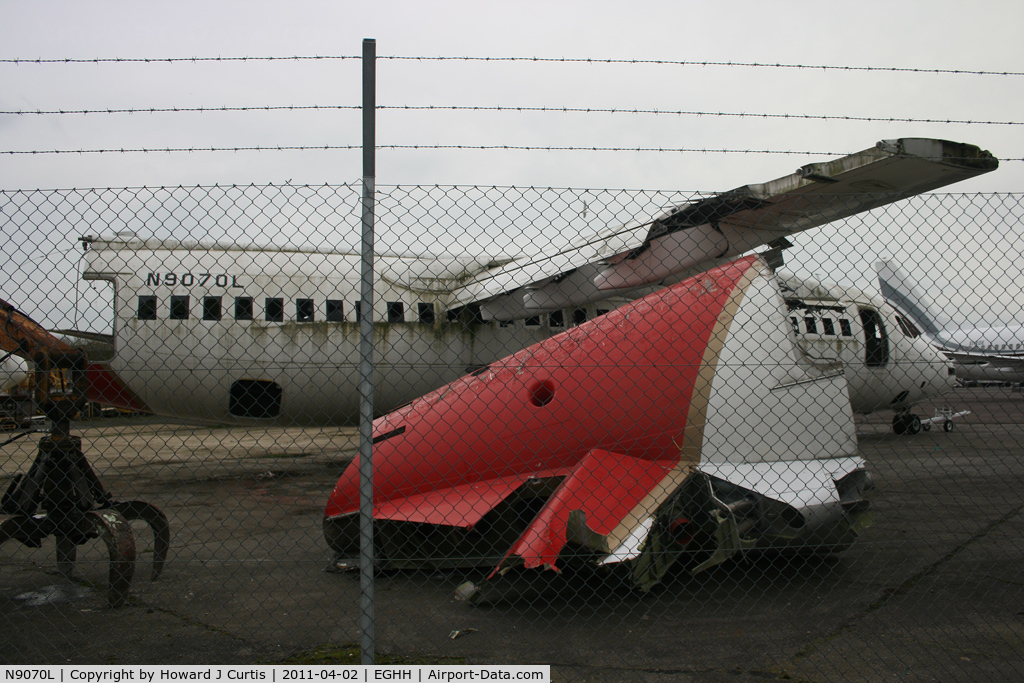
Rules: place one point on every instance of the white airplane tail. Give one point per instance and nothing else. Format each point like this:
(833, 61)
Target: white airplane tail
(898, 290)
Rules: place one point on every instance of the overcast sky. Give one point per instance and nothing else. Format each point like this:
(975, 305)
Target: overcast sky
(933, 35)
(927, 35)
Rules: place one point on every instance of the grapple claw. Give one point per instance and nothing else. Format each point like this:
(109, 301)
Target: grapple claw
(157, 521)
(116, 532)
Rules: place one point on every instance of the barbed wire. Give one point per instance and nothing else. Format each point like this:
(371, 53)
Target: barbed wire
(561, 60)
(703, 63)
(534, 148)
(173, 60)
(500, 108)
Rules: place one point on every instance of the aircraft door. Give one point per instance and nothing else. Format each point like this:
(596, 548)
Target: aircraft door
(869, 374)
(876, 341)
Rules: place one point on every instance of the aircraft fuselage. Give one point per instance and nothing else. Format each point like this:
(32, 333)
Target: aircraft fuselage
(230, 334)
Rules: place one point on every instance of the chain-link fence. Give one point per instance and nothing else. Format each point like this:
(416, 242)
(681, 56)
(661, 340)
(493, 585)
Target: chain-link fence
(617, 433)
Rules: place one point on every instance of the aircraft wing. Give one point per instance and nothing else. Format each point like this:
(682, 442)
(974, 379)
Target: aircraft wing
(1008, 363)
(697, 234)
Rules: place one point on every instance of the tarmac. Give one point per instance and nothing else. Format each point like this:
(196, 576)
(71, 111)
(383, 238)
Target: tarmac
(931, 591)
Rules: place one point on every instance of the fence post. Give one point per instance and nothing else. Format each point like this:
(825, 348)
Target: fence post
(366, 598)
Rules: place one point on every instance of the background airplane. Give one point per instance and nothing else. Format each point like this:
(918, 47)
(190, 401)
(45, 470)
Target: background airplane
(13, 371)
(234, 332)
(979, 354)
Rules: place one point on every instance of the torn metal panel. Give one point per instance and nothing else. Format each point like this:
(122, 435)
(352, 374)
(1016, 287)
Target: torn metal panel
(606, 497)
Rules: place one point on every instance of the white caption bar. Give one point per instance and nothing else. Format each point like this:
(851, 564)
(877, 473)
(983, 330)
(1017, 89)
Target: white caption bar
(422, 673)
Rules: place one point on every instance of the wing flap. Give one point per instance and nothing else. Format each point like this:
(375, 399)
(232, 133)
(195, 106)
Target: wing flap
(1015, 363)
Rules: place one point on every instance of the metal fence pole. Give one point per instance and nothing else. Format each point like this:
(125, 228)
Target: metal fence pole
(366, 600)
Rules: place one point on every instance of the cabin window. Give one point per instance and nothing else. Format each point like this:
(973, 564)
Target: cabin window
(147, 307)
(828, 325)
(335, 311)
(845, 328)
(396, 312)
(579, 316)
(812, 327)
(255, 398)
(243, 308)
(426, 312)
(211, 308)
(556, 319)
(876, 342)
(179, 307)
(305, 310)
(273, 310)
(533, 321)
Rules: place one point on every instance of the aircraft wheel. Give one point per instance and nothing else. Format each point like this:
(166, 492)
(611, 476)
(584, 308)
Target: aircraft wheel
(926, 426)
(947, 426)
(913, 425)
(899, 424)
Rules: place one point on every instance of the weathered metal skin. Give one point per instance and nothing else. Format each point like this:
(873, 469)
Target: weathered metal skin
(624, 441)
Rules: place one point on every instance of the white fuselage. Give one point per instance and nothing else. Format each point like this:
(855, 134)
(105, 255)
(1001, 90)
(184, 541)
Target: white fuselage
(190, 325)
(225, 333)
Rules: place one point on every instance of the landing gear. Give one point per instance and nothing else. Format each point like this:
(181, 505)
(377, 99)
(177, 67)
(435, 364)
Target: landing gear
(907, 423)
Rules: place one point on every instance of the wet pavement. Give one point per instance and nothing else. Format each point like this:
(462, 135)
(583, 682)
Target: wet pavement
(931, 591)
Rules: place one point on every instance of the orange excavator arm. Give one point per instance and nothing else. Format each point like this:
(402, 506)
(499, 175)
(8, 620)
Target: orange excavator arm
(22, 336)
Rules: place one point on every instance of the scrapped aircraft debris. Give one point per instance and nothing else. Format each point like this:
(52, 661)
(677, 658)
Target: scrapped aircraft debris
(200, 329)
(689, 426)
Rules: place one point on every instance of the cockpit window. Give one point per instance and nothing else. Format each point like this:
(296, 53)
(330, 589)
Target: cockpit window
(907, 328)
